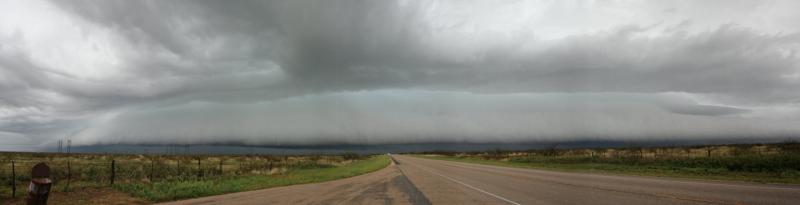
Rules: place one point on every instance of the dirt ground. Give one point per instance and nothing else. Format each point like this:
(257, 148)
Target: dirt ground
(87, 196)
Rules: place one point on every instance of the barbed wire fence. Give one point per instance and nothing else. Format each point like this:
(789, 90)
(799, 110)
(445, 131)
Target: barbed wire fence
(70, 171)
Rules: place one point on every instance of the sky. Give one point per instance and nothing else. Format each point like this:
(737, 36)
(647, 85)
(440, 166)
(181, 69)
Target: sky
(282, 73)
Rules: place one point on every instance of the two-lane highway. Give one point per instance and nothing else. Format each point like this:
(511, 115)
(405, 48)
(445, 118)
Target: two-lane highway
(412, 180)
(445, 182)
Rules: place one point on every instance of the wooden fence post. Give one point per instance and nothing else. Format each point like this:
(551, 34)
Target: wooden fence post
(113, 171)
(220, 167)
(270, 166)
(199, 169)
(69, 175)
(152, 169)
(286, 161)
(13, 180)
(178, 167)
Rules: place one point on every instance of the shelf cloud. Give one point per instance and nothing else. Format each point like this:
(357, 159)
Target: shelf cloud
(383, 72)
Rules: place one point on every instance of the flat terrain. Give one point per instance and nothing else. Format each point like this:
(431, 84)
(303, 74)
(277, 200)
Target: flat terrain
(424, 181)
(386, 186)
(85, 178)
(762, 163)
(445, 182)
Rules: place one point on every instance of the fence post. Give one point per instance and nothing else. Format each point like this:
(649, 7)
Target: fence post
(13, 180)
(152, 169)
(113, 172)
(220, 167)
(199, 169)
(69, 175)
(286, 161)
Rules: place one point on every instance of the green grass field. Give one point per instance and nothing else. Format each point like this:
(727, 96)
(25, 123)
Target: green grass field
(155, 178)
(167, 191)
(780, 164)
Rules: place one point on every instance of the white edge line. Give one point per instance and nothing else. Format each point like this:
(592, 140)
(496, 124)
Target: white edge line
(470, 186)
(653, 179)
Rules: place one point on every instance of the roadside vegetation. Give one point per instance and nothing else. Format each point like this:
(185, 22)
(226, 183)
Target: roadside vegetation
(766, 163)
(173, 190)
(156, 178)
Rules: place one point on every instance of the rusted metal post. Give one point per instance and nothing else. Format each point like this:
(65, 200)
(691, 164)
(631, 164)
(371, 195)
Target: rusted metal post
(113, 171)
(39, 188)
(13, 180)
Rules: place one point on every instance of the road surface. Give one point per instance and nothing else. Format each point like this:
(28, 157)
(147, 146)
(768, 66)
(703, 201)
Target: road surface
(414, 180)
(444, 182)
(385, 186)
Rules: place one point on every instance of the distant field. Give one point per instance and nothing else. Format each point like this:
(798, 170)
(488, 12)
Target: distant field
(87, 178)
(766, 163)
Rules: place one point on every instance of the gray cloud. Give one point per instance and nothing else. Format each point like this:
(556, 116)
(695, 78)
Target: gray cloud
(346, 45)
(106, 70)
(401, 116)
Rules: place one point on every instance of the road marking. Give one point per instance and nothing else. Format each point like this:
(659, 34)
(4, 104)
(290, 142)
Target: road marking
(648, 178)
(661, 195)
(470, 186)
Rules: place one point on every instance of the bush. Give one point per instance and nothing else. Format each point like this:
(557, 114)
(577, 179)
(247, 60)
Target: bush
(352, 156)
(740, 163)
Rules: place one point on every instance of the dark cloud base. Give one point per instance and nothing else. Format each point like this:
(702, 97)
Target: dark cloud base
(233, 148)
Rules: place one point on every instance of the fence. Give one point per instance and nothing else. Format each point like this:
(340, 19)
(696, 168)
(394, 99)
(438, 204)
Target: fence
(71, 171)
(637, 152)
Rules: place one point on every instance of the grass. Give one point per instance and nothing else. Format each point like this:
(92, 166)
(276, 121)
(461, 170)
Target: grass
(174, 190)
(779, 168)
(154, 178)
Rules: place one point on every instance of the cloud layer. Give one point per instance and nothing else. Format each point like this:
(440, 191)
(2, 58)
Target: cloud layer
(317, 72)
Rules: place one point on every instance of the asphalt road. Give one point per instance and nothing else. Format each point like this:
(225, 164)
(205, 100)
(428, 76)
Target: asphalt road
(385, 186)
(444, 182)
(414, 180)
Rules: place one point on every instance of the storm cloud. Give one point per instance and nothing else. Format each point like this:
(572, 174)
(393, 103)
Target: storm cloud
(377, 72)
